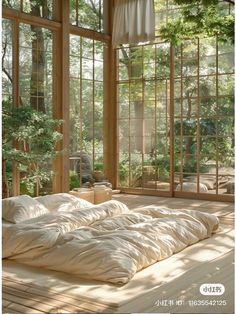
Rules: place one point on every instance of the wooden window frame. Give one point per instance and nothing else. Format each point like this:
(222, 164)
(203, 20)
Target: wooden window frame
(183, 194)
(18, 17)
(142, 80)
(61, 29)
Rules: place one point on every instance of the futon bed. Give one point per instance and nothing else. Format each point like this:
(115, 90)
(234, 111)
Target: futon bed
(105, 242)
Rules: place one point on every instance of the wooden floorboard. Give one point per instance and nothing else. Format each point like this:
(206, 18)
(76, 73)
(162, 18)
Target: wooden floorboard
(37, 300)
(19, 297)
(16, 308)
(54, 295)
(30, 298)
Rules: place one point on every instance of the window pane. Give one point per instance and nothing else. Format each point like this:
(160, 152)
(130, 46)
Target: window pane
(86, 109)
(7, 60)
(87, 14)
(7, 99)
(39, 8)
(36, 88)
(144, 109)
(36, 67)
(204, 123)
(14, 4)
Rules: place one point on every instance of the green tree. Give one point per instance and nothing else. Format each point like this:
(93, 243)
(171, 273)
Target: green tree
(201, 17)
(29, 138)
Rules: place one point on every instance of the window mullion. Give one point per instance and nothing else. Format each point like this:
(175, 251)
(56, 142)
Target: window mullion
(16, 98)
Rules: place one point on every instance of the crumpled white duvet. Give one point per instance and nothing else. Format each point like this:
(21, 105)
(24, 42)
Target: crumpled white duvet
(106, 242)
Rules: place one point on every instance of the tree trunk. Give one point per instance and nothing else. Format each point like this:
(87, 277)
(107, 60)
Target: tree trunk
(38, 64)
(134, 70)
(189, 140)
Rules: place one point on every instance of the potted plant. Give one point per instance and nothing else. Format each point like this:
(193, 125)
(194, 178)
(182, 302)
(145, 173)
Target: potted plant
(98, 171)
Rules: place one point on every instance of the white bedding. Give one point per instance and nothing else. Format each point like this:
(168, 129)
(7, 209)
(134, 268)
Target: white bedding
(106, 242)
(5, 225)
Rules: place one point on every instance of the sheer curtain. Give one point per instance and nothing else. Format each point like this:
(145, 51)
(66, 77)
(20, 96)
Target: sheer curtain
(133, 22)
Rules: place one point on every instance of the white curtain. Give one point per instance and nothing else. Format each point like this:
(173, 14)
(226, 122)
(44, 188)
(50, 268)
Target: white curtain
(133, 22)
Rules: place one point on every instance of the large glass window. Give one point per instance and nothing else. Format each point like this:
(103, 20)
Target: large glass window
(33, 69)
(36, 81)
(204, 118)
(86, 109)
(32, 77)
(202, 141)
(144, 121)
(174, 114)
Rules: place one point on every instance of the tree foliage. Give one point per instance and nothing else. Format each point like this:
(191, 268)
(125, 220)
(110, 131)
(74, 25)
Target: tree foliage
(29, 138)
(201, 18)
(89, 14)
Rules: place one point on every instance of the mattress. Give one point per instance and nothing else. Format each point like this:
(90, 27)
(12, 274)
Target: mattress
(106, 242)
(176, 278)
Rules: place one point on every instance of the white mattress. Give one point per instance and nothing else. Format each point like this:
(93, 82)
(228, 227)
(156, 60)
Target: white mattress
(107, 242)
(177, 277)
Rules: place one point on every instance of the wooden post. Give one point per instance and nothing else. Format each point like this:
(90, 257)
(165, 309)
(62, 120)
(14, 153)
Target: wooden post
(16, 98)
(110, 104)
(172, 174)
(61, 97)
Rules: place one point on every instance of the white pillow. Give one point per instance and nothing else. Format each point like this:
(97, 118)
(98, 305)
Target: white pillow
(19, 208)
(63, 202)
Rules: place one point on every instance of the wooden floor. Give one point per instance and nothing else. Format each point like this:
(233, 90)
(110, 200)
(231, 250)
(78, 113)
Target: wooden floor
(223, 210)
(18, 297)
(133, 201)
(28, 298)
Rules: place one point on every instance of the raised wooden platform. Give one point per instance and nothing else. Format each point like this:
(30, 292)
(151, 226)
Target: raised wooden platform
(21, 294)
